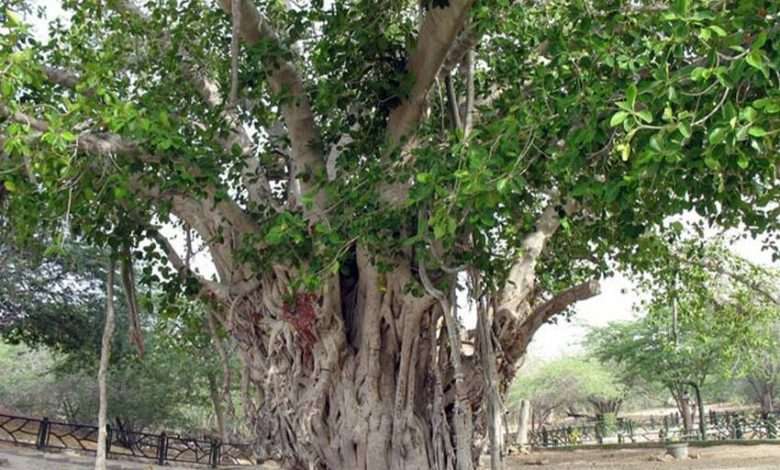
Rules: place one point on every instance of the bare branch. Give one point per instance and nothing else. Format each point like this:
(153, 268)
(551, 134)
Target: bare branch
(468, 115)
(561, 302)
(466, 41)
(216, 289)
(452, 99)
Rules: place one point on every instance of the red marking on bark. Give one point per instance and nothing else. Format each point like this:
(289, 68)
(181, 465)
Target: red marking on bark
(301, 316)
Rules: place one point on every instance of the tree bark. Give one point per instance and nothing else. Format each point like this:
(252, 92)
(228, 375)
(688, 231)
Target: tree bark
(681, 398)
(524, 425)
(105, 356)
(216, 402)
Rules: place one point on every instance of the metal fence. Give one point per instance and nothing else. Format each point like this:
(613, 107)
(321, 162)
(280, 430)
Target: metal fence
(161, 448)
(719, 426)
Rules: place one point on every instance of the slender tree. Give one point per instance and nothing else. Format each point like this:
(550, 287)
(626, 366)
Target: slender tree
(105, 357)
(346, 166)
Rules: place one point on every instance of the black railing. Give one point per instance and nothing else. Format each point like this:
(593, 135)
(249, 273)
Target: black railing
(162, 448)
(720, 426)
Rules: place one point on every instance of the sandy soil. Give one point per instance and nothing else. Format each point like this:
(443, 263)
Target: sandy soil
(753, 457)
(25, 458)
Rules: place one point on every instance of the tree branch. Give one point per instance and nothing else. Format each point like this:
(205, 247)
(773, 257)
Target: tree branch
(561, 301)
(208, 288)
(284, 80)
(437, 34)
(253, 176)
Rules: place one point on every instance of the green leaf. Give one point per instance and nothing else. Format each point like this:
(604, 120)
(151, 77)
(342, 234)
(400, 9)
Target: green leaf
(502, 185)
(718, 30)
(755, 59)
(646, 116)
(68, 136)
(717, 135)
(12, 18)
(9, 185)
(757, 132)
(742, 161)
(618, 118)
(120, 192)
(631, 96)
(423, 177)
(684, 129)
(711, 163)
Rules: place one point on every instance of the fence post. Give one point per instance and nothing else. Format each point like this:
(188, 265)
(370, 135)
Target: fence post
(43, 434)
(771, 427)
(162, 449)
(108, 438)
(545, 438)
(214, 456)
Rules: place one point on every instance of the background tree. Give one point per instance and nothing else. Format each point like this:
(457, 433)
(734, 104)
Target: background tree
(346, 165)
(54, 302)
(698, 331)
(566, 385)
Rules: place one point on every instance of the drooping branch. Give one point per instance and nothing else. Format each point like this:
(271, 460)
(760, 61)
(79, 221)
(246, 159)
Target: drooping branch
(133, 312)
(94, 143)
(234, 48)
(468, 114)
(462, 420)
(465, 42)
(746, 281)
(452, 99)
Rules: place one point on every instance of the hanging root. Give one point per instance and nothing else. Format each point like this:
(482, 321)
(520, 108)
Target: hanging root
(134, 318)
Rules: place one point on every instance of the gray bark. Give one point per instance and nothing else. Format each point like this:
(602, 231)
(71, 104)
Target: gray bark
(524, 425)
(105, 356)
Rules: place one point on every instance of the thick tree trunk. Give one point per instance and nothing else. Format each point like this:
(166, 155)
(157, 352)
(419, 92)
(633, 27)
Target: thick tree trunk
(358, 376)
(367, 371)
(767, 402)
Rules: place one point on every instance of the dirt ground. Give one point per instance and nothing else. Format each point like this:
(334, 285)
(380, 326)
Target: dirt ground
(25, 458)
(753, 457)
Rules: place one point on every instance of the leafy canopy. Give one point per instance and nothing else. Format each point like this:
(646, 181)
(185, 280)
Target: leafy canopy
(635, 110)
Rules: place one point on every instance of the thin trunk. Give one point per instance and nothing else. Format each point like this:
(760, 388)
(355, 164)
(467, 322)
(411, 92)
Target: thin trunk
(216, 402)
(524, 424)
(105, 355)
(495, 408)
(680, 395)
(702, 423)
